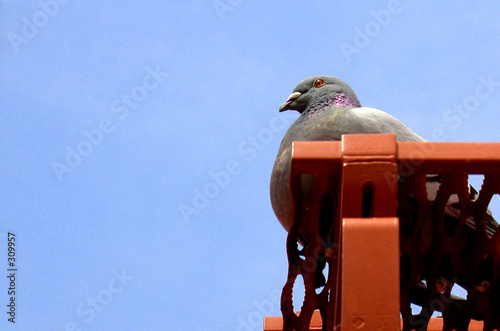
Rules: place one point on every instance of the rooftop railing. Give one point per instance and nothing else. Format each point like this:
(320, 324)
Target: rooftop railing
(387, 224)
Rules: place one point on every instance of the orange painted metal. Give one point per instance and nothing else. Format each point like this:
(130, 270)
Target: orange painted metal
(435, 324)
(367, 191)
(425, 157)
(348, 222)
(372, 169)
(276, 323)
(364, 282)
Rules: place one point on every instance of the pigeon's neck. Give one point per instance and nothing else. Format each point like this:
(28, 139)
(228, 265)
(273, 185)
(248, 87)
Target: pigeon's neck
(339, 100)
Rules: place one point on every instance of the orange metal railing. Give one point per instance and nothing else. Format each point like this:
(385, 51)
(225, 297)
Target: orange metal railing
(371, 223)
(435, 324)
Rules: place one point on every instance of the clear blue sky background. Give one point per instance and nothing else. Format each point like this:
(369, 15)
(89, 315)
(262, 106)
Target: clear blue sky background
(115, 115)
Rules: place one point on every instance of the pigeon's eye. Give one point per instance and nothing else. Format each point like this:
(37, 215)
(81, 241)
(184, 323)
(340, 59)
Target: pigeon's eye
(319, 82)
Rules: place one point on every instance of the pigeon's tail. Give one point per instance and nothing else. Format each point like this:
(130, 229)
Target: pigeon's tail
(452, 209)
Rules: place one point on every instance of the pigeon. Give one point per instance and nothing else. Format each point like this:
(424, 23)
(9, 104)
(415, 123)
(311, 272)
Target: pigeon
(328, 109)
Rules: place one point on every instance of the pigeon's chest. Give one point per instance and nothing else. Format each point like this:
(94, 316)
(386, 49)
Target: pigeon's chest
(319, 125)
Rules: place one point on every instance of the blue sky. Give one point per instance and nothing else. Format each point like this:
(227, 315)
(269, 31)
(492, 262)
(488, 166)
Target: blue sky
(138, 140)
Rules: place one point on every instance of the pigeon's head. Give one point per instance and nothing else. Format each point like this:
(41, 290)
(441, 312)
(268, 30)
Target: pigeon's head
(317, 91)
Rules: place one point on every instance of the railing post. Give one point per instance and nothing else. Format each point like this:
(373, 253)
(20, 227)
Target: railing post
(369, 237)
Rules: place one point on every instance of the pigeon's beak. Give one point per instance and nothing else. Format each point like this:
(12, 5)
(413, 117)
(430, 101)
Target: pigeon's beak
(286, 105)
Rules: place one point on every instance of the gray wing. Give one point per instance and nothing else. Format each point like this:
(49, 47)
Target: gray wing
(371, 120)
